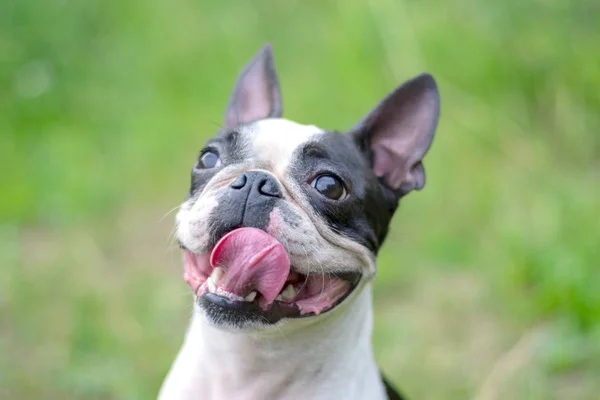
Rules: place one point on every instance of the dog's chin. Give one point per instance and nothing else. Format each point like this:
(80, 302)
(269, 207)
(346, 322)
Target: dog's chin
(241, 315)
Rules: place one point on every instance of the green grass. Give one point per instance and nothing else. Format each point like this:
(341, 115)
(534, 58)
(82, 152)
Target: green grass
(489, 283)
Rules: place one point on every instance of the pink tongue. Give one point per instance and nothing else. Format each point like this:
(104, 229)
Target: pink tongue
(252, 260)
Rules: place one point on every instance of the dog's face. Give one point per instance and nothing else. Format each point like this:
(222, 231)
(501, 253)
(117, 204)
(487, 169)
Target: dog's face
(284, 220)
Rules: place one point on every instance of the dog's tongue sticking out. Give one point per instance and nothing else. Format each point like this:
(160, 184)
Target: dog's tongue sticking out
(252, 260)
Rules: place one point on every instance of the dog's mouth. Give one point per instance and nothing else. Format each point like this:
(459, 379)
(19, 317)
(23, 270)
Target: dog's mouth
(249, 271)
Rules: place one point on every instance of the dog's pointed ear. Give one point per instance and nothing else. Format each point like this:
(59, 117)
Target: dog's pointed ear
(256, 93)
(398, 131)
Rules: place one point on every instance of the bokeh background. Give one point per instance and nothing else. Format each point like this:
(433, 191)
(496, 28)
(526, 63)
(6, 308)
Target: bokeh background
(488, 286)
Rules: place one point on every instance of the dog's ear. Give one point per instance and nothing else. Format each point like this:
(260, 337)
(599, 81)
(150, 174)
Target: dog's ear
(256, 93)
(398, 131)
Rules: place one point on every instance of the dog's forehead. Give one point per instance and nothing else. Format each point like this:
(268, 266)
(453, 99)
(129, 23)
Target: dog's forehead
(275, 140)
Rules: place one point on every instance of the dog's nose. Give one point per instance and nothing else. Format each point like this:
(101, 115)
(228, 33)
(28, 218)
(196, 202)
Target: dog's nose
(258, 182)
(248, 202)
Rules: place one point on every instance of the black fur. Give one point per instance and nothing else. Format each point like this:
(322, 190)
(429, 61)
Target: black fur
(247, 202)
(365, 214)
(390, 390)
(228, 145)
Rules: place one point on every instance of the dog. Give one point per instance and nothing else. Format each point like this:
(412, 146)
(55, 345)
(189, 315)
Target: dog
(280, 232)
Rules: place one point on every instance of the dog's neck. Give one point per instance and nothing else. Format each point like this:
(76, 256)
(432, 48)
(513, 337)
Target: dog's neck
(328, 358)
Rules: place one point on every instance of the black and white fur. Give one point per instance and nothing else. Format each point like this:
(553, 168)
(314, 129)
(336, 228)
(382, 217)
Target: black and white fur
(230, 355)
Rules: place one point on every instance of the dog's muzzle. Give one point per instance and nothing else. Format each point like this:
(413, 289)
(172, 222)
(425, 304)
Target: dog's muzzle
(247, 202)
(248, 276)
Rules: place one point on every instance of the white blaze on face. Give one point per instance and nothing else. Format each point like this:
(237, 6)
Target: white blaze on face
(275, 140)
(192, 222)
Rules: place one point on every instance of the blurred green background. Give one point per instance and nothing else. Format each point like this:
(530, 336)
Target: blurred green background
(489, 283)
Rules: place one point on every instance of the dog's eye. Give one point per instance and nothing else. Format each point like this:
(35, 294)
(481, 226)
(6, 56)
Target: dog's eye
(209, 159)
(329, 186)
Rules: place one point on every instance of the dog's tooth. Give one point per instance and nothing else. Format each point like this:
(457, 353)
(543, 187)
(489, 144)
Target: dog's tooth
(211, 285)
(279, 298)
(289, 292)
(251, 296)
(217, 274)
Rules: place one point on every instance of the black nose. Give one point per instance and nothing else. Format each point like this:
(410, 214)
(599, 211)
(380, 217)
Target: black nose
(248, 202)
(258, 183)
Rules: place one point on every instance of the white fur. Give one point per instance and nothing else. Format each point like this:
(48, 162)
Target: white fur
(276, 139)
(192, 221)
(314, 247)
(322, 357)
(319, 358)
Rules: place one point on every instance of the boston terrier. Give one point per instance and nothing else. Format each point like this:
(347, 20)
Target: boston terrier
(280, 232)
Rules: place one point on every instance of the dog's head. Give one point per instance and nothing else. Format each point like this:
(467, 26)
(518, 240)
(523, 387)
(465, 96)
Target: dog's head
(284, 220)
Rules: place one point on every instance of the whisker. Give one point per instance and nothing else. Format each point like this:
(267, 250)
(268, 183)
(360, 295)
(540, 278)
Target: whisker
(281, 332)
(217, 124)
(171, 240)
(169, 212)
(308, 272)
(320, 264)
